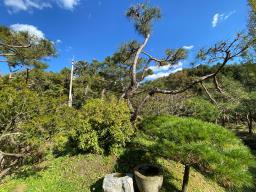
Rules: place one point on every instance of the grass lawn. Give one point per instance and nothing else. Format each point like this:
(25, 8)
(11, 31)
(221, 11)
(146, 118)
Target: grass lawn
(85, 173)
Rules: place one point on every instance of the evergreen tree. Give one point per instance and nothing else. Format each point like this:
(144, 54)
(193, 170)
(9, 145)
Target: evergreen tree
(212, 150)
(21, 49)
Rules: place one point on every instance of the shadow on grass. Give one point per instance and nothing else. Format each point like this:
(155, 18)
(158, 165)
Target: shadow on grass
(30, 171)
(253, 172)
(126, 164)
(97, 186)
(133, 157)
(249, 139)
(241, 131)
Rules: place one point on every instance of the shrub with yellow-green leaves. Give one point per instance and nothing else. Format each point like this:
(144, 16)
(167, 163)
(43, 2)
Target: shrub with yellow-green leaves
(111, 120)
(102, 126)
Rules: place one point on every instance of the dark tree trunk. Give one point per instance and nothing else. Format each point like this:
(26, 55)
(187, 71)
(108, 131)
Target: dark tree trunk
(185, 178)
(223, 121)
(27, 76)
(249, 122)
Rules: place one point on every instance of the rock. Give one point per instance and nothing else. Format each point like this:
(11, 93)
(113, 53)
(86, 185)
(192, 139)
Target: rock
(118, 182)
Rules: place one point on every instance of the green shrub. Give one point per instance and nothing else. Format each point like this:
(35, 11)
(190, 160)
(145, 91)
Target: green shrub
(101, 126)
(74, 133)
(201, 109)
(64, 130)
(213, 150)
(111, 120)
(16, 107)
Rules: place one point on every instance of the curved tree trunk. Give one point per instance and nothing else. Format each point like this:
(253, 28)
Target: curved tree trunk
(185, 178)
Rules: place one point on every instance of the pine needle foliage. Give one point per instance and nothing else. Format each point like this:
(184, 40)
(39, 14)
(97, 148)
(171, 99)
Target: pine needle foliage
(143, 16)
(211, 149)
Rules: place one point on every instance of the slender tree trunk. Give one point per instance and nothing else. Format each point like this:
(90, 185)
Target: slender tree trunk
(249, 122)
(236, 119)
(27, 75)
(185, 178)
(223, 120)
(103, 93)
(10, 74)
(86, 91)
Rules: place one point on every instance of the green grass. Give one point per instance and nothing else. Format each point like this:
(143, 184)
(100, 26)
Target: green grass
(85, 173)
(65, 174)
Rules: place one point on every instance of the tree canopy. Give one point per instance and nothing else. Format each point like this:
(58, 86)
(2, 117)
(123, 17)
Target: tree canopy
(23, 49)
(211, 149)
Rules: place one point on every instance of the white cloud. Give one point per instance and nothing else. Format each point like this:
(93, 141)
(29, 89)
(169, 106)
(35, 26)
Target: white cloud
(163, 71)
(229, 14)
(16, 4)
(159, 68)
(156, 76)
(31, 29)
(24, 5)
(68, 4)
(188, 47)
(58, 41)
(28, 5)
(217, 18)
(161, 74)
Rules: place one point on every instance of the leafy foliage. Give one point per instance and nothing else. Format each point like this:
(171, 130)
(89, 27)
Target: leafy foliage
(249, 104)
(101, 126)
(201, 109)
(19, 144)
(111, 120)
(211, 149)
(73, 133)
(22, 49)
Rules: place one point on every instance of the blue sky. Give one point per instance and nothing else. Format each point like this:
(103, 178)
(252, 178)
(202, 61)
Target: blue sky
(90, 29)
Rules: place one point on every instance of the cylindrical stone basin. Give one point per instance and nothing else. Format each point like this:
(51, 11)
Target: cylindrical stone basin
(149, 178)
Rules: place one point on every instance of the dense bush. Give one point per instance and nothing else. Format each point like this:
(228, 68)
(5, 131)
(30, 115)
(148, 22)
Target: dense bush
(74, 133)
(111, 120)
(101, 126)
(201, 109)
(17, 106)
(213, 150)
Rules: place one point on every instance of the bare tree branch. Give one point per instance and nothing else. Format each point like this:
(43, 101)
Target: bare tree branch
(216, 83)
(15, 46)
(9, 135)
(151, 58)
(208, 94)
(11, 154)
(7, 170)
(222, 51)
(7, 54)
